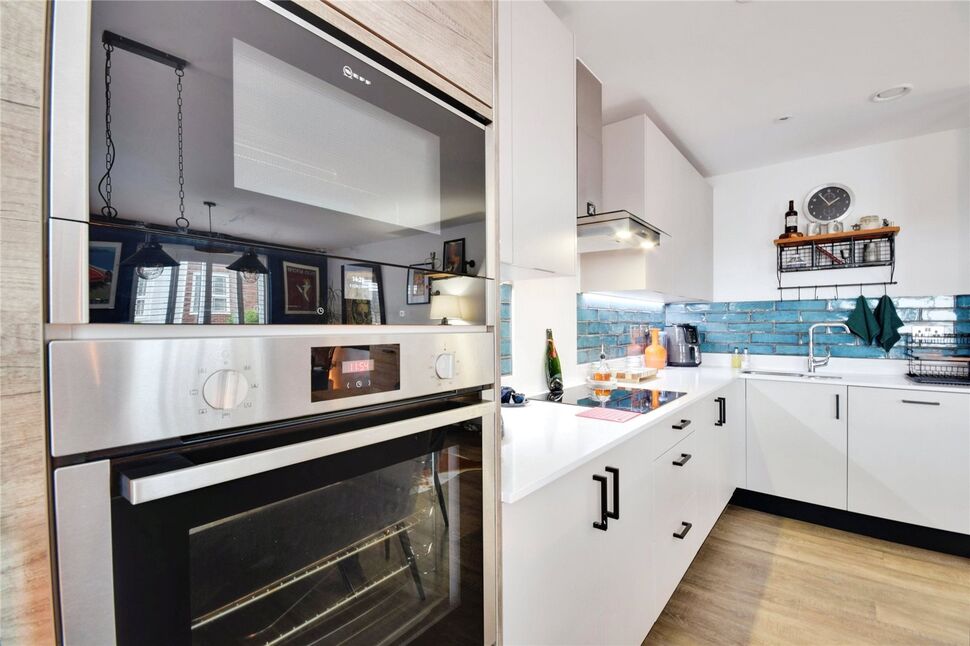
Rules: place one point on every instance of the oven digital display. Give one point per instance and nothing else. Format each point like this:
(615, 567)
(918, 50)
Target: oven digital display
(360, 365)
(340, 371)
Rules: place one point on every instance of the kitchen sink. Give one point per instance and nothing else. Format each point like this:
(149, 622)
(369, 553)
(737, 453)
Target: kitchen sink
(782, 373)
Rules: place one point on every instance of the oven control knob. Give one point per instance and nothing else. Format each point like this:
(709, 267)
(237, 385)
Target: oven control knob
(444, 365)
(225, 389)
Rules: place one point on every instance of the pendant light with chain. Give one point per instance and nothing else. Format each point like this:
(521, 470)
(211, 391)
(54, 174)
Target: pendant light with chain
(150, 259)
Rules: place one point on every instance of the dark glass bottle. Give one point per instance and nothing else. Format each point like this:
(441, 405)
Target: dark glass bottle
(791, 218)
(553, 367)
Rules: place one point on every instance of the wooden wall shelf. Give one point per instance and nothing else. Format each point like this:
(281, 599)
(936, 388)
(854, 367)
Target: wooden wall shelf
(864, 234)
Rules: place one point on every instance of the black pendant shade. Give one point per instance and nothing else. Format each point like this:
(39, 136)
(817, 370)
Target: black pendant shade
(248, 263)
(150, 254)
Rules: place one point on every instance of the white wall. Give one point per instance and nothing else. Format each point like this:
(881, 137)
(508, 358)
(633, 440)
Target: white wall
(922, 184)
(538, 304)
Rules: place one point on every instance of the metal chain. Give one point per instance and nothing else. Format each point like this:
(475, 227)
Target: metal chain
(181, 221)
(104, 185)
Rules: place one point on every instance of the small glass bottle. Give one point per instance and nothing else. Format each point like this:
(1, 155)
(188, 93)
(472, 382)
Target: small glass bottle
(736, 359)
(746, 360)
(655, 356)
(602, 379)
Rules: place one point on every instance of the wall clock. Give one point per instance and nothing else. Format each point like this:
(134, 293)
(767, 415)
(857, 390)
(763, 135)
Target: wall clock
(829, 203)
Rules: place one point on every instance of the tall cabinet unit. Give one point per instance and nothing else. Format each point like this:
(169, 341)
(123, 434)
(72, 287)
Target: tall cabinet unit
(796, 441)
(537, 141)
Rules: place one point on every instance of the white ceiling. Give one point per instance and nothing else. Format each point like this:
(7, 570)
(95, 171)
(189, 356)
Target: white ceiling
(715, 75)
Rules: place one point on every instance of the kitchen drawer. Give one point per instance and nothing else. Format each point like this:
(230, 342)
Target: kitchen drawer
(674, 484)
(674, 429)
(672, 556)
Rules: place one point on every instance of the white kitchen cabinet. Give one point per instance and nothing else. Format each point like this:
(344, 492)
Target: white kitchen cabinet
(537, 141)
(909, 456)
(727, 442)
(796, 441)
(733, 426)
(644, 173)
(678, 528)
(573, 583)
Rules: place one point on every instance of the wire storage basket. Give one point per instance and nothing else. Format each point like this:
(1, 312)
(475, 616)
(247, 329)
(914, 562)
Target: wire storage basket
(941, 359)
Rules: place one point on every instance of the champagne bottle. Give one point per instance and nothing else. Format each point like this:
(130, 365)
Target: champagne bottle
(553, 367)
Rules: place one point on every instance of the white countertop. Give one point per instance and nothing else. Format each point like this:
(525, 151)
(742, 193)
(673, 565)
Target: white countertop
(545, 440)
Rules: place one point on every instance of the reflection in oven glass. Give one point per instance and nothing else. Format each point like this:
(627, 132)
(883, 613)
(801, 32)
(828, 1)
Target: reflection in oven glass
(374, 559)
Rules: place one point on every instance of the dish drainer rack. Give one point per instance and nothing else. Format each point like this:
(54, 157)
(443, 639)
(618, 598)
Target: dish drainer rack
(940, 359)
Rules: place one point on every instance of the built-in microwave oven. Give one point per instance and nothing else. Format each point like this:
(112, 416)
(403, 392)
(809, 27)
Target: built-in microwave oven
(241, 162)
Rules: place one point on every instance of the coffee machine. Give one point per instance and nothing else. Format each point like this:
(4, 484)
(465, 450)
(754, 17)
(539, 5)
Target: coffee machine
(683, 345)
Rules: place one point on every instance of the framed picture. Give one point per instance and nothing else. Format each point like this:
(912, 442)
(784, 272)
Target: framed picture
(301, 288)
(419, 284)
(103, 261)
(453, 256)
(363, 294)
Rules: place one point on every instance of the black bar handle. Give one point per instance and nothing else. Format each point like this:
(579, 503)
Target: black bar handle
(684, 423)
(838, 408)
(916, 401)
(681, 534)
(721, 411)
(684, 459)
(615, 514)
(602, 523)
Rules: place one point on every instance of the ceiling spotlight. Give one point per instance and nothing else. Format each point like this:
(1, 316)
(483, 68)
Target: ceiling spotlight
(783, 118)
(647, 244)
(892, 93)
(623, 234)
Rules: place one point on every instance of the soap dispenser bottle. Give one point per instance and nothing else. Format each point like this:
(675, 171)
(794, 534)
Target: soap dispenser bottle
(736, 359)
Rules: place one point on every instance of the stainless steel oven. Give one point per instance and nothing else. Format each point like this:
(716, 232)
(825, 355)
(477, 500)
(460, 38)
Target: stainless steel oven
(231, 162)
(333, 489)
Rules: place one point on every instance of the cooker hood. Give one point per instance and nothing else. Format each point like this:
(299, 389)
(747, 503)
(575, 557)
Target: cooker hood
(612, 230)
(615, 230)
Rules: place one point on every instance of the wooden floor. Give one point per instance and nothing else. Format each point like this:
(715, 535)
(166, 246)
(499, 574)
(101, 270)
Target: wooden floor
(763, 579)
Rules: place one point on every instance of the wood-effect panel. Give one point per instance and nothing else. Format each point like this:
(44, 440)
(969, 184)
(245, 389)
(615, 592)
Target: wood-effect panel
(27, 612)
(763, 579)
(447, 44)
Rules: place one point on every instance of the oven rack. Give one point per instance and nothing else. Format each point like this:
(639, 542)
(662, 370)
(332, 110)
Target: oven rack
(328, 561)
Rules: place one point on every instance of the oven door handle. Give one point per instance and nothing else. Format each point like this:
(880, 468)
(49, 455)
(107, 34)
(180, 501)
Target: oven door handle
(171, 483)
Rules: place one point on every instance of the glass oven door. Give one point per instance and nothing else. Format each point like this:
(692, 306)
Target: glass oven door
(369, 536)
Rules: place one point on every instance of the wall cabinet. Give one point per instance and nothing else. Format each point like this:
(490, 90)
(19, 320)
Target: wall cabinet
(909, 456)
(537, 142)
(447, 44)
(796, 441)
(644, 173)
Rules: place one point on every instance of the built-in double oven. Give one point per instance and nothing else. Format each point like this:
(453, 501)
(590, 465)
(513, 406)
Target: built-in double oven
(270, 335)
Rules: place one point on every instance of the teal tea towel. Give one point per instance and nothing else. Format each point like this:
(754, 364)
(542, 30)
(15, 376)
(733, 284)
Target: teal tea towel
(889, 323)
(862, 322)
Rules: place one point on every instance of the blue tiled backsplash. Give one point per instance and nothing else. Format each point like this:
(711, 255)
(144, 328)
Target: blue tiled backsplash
(764, 327)
(612, 323)
(505, 327)
(781, 327)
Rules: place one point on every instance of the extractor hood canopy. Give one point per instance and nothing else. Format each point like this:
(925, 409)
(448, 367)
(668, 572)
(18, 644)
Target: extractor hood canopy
(615, 230)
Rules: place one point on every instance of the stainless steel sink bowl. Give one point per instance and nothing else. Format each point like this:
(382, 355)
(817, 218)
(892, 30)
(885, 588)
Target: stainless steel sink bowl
(782, 373)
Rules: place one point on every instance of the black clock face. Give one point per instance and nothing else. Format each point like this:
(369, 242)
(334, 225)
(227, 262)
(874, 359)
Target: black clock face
(829, 203)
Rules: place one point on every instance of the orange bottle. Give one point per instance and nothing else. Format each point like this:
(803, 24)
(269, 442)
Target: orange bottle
(655, 356)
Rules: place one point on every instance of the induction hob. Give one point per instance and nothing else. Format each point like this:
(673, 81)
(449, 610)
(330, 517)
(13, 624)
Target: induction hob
(635, 399)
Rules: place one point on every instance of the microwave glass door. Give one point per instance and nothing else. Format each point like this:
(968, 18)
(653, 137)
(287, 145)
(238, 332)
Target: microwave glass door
(376, 545)
(325, 172)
